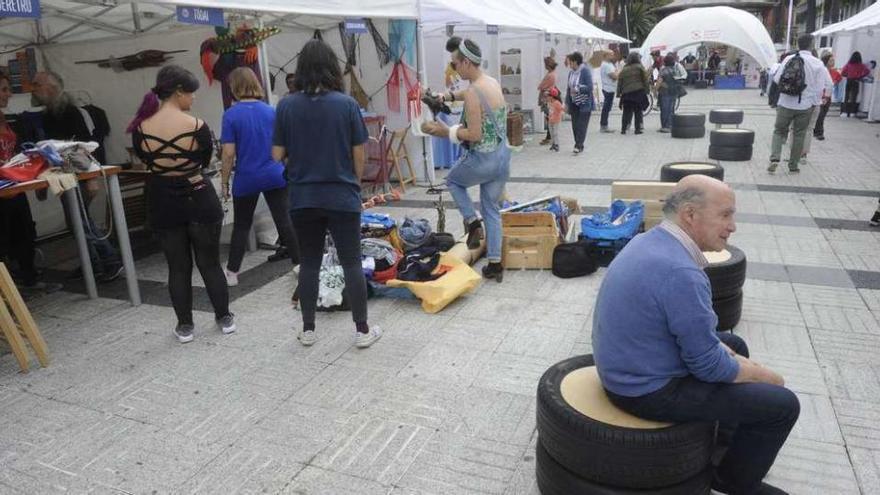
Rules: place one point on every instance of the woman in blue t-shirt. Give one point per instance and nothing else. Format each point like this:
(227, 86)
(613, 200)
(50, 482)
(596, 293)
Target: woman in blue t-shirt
(247, 143)
(321, 133)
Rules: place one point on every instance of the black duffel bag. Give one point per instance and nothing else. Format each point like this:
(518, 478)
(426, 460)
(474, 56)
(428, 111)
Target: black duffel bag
(573, 260)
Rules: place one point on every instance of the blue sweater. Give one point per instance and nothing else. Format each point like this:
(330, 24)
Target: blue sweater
(654, 321)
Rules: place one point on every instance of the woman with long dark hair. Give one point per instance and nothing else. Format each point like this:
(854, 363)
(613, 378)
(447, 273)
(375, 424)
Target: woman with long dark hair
(185, 212)
(321, 133)
(487, 160)
(633, 84)
(247, 143)
(854, 71)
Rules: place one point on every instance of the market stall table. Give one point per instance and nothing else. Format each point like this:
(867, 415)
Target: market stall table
(72, 203)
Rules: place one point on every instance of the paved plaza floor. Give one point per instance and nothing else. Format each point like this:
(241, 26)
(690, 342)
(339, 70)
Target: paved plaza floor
(445, 404)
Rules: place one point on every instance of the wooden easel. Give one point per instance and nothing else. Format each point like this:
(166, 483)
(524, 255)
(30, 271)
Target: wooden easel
(19, 324)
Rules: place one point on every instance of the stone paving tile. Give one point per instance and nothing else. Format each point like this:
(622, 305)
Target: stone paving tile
(511, 373)
(860, 382)
(770, 311)
(802, 373)
(245, 469)
(316, 481)
(850, 347)
(817, 421)
(767, 338)
(298, 432)
(828, 296)
(871, 298)
(867, 467)
(859, 422)
(840, 319)
(459, 365)
(453, 463)
(800, 461)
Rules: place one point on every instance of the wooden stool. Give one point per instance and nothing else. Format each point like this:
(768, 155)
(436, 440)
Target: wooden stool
(19, 324)
(397, 152)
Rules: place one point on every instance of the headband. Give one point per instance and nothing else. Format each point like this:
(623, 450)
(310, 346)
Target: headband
(463, 49)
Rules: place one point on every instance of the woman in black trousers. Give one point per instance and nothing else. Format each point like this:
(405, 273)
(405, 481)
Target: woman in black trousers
(633, 85)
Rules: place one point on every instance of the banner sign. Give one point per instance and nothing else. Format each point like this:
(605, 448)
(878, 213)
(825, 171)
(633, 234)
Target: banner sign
(205, 16)
(20, 8)
(356, 26)
(491, 29)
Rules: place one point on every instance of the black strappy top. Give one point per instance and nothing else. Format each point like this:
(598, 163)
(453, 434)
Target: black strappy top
(189, 161)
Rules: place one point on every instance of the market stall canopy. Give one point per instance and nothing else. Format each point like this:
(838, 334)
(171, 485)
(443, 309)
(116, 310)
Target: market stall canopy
(440, 13)
(740, 4)
(390, 9)
(581, 27)
(866, 19)
(723, 25)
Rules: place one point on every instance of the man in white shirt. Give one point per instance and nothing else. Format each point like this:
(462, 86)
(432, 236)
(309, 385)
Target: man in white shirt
(608, 76)
(795, 110)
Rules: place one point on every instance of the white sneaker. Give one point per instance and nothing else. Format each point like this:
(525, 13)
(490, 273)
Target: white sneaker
(364, 340)
(226, 324)
(307, 337)
(231, 277)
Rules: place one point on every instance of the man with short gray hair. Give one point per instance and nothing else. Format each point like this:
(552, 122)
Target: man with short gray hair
(658, 354)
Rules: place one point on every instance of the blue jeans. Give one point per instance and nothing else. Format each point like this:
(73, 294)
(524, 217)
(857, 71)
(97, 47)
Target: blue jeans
(667, 110)
(760, 416)
(607, 105)
(490, 171)
(579, 123)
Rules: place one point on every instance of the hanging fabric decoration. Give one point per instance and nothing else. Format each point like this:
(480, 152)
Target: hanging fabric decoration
(357, 91)
(382, 49)
(402, 41)
(349, 46)
(244, 40)
(413, 89)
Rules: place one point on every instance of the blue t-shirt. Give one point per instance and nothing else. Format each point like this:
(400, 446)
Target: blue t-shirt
(319, 131)
(248, 125)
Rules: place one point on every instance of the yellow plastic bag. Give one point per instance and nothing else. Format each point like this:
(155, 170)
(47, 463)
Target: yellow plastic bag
(437, 294)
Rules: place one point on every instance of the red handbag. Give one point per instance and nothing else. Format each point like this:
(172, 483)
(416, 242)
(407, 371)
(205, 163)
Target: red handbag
(24, 167)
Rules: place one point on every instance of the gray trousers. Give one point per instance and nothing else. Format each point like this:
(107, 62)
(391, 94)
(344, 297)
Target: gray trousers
(799, 121)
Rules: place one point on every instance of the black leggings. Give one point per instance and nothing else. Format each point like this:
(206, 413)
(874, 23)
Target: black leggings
(17, 236)
(311, 226)
(851, 95)
(243, 207)
(179, 244)
(630, 110)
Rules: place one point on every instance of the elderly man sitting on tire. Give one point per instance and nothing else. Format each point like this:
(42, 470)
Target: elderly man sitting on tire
(658, 354)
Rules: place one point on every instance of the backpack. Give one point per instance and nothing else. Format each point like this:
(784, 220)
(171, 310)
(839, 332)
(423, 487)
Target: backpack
(573, 260)
(794, 77)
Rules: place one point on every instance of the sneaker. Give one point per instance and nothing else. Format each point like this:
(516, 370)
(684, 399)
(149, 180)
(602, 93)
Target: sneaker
(226, 323)
(184, 333)
(665, 130)
(639, 131)
(875, 220)
(554, 148)
(307, 337)
(111, 274)
(576, 151)
(623, 132)
(474, 234)
(772, 167)
(794, 170)
(606, 130)
(544, 142)
(844, 116)
(231, 277)
(364, 340)
(820, 138)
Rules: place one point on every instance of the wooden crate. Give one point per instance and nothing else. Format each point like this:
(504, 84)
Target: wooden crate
(529, 238)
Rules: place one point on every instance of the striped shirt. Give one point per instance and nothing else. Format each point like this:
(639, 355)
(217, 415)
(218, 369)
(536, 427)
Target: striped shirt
(689, 245)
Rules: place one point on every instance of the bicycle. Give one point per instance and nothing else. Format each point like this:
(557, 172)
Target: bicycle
(651, 104)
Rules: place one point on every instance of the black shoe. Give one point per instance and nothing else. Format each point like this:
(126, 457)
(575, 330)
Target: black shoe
(623, 131)
(820, 138)
(37, 286)
(279, 254)
(875, 220)
(493, 270)
(763, 489)
(639, 131)
(474, 234)
(110, 274)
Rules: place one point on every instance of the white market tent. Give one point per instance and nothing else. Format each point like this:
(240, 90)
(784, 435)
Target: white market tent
(725, 25)
(864, 20)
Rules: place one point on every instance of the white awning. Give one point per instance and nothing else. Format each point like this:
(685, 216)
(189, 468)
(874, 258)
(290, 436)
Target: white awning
(868, 18)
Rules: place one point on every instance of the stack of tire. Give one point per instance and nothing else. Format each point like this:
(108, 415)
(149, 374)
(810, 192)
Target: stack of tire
(588, 446)
(675, 171)
(688, 125)
(701, 84)
(727, 275)
(731, 145)
(726, 116)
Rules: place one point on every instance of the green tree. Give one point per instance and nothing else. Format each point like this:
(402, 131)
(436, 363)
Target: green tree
(639, 13)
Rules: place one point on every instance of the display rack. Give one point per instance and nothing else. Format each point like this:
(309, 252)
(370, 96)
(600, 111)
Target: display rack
(511, 77)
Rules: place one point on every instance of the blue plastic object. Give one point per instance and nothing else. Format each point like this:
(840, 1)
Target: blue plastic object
(622, 221)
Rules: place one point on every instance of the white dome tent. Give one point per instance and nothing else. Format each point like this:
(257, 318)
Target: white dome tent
(726, 25)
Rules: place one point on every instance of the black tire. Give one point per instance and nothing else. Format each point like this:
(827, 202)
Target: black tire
(730, 153)
(615, 455)
(554, 479)
(688, 120)
(728, 276)
(736, 138)
(675, 171)
(726, 116)
(729, 311)
(701, 84)
(689, 132)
